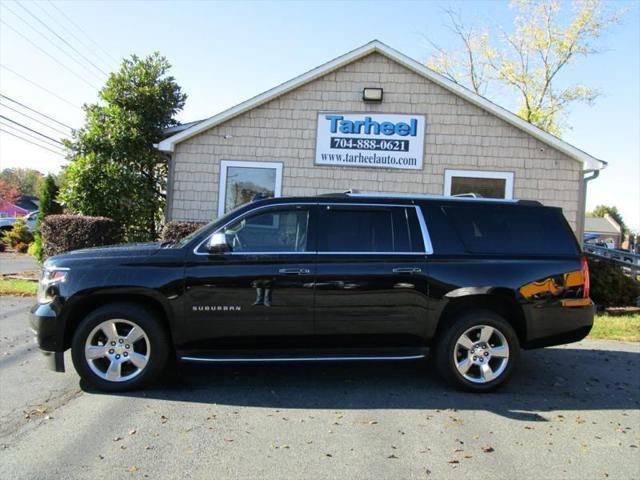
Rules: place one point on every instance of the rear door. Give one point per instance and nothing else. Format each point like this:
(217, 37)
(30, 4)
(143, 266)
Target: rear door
(370, 281)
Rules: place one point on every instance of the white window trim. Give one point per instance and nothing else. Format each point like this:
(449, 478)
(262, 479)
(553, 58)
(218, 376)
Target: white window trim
(507, 176)
(225, 164)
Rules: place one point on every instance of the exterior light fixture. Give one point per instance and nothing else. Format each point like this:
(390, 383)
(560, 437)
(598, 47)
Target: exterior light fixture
(372, 94)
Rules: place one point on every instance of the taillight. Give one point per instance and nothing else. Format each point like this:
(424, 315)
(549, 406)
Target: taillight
(585, 276)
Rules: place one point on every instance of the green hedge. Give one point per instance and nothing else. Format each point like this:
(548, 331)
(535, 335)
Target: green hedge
(63, 233)
(175, 231)
(610, 287)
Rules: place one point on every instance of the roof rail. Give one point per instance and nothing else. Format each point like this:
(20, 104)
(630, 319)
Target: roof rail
(468, 195)
(421, 196)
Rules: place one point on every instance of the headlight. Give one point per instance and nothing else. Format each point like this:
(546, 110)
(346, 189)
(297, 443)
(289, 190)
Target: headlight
(50, 277)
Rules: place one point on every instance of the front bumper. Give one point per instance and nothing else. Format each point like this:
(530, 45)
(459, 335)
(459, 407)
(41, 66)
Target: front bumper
(49, 331)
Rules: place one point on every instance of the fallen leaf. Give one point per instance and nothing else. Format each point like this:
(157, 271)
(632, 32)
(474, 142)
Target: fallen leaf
(468, 456)
(132, 469)
(488, 449)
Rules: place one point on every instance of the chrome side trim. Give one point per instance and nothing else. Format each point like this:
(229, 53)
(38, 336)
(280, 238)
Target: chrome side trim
(324, 253)
(299, 359)
(428, 247)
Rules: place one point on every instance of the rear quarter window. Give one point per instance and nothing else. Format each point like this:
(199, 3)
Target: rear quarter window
(512, 229)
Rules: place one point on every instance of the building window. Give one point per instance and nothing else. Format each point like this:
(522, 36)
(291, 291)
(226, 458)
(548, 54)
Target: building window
(241, 181)
(482, 183)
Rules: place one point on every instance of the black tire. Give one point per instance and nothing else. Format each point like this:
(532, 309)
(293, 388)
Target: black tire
(156, 341)
(446, 351)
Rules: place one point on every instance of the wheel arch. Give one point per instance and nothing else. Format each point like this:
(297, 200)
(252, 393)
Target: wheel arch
(80, 308)
(499, 300)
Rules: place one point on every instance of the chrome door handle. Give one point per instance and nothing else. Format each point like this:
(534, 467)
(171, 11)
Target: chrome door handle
(294, 271)
(407, 270)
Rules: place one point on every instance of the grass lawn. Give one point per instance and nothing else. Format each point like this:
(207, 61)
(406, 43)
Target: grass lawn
(18, 287)
(617, 327)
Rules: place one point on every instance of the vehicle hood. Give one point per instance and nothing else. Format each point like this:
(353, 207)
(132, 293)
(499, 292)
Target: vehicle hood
(114, 252)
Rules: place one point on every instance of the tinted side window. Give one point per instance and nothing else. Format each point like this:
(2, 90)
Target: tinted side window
(271, 231)
(355, 229)
(511, 229)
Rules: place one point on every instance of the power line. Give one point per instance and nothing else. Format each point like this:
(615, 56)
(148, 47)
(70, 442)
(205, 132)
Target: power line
(65, 29)
(30, 135)
(22, 132)
(64, 52)
(83, 32)
(34, 119)
(61, 38)
(39, 86)
(31, 142)
(35, 111)
(31, 130)
(49, 55)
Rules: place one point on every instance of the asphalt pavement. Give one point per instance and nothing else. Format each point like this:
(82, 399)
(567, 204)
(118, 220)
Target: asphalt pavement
(17, 263)
(569, 412)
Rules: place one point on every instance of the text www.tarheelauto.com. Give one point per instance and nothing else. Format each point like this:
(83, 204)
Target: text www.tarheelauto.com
(372, 159)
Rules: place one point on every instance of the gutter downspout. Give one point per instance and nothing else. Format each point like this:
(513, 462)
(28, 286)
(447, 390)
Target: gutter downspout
(582, 207)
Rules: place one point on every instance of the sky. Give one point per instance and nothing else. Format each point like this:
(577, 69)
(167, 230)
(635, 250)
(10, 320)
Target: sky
(226, 52)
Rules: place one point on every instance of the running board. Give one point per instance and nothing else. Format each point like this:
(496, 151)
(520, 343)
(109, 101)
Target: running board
(348, 358)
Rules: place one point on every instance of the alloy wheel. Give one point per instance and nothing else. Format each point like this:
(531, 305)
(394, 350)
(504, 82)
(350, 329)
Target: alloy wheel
(481, 354)
(117, 350)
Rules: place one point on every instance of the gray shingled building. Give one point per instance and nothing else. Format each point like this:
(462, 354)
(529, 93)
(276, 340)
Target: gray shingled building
(377, 121)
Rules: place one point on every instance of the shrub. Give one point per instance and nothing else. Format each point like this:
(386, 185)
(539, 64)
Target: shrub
(175, 231)
(48, 206)
(610, 287)
(18, 235)
(63, 233)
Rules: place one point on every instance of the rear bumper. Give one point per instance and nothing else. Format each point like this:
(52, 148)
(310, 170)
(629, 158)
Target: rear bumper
(558, 325)
(49, 331)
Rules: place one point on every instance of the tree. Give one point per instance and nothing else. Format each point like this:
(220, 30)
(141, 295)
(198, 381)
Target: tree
(529, 60)
(27, 181)
(48, 206)
(602, 210)
(9, 193)
(115, 171)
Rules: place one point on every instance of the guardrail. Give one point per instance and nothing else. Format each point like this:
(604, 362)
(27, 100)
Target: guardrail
(629, 262)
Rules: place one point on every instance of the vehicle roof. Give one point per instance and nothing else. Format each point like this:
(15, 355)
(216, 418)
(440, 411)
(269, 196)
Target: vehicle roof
(357, 197)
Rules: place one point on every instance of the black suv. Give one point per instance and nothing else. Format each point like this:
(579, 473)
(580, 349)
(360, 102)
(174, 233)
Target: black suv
(332, 277)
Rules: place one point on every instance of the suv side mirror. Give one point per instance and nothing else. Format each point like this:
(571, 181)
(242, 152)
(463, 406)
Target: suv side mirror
(218, 243)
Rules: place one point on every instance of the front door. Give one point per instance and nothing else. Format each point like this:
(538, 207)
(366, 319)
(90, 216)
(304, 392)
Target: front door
(259, 294)
(371, 288)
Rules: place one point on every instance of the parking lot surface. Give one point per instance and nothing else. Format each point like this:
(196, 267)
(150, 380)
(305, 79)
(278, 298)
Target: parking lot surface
(569, 412)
